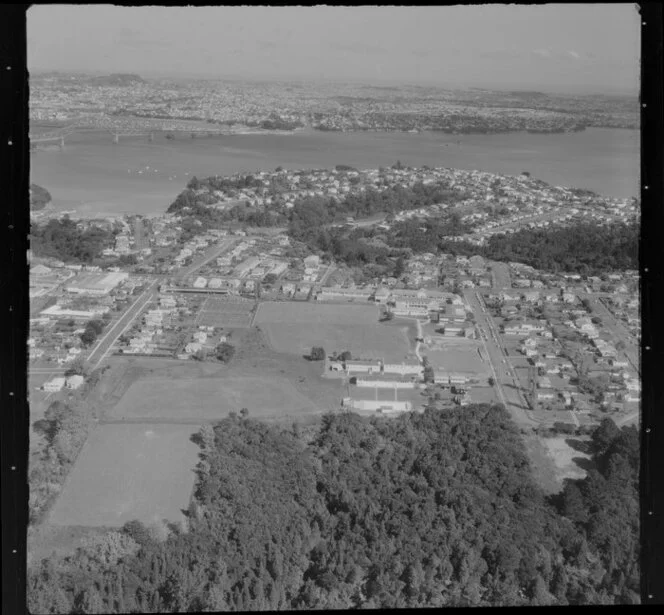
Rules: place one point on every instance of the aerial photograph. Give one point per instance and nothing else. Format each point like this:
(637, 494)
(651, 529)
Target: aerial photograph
(333, 307)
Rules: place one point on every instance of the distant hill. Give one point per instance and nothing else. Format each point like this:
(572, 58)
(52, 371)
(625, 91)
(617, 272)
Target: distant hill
(118, 79)
(39, 197)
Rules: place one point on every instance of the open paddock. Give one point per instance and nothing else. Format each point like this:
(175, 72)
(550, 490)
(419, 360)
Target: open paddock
(126, 472)
(210, 398)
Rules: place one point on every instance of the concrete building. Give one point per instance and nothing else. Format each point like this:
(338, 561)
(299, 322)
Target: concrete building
(380, 406)
(363, 367)
(57, 312)
(406, 368)
(379, 382)
(96, 284)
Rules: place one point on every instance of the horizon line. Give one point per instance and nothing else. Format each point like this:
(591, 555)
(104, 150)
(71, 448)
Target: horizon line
(493, 86)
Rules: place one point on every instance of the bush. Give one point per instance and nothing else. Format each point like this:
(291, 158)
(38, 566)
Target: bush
(224, 352)
(317, 353)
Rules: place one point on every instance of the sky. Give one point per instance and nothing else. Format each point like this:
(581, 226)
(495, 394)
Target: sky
(583, 47)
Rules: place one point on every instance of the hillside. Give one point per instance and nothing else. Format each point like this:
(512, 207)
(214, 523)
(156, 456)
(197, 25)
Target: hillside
(39, 197)
(118, 79)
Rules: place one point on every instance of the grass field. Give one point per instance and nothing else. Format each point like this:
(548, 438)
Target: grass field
(126, 472)
(364, 342)
(319, 314)
(457, 359)
(563, 457)
(220, 311)
(210, 398)
(295, 327)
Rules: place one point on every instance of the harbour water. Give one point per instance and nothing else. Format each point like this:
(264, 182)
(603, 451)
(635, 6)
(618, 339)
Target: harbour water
(96, 177)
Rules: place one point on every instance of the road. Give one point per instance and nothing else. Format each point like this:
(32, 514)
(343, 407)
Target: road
(327, 274)
(632, 416)
(210, 253)
(506, 379)
(104, 345)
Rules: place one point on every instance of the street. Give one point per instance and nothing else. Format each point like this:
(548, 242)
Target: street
(211, 253)
(617, 330)
(506, 380)
(105, 344)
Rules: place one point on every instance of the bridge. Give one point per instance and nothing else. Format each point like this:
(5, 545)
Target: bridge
(51, 136)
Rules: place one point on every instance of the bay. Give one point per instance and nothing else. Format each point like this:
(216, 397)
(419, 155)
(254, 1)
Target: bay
(95, 177)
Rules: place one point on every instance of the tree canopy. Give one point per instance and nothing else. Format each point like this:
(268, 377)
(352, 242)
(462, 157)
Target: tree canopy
(424, 510)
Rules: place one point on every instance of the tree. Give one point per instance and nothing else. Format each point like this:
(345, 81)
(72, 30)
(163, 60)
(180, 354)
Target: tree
(225, 352)
(244, 413)
(76, 367)
(345, 356)
(317, 353)
(492, 381)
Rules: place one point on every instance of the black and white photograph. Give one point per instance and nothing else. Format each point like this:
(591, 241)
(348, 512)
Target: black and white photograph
(333, 307)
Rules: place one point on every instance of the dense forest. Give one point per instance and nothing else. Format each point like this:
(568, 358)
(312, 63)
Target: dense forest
(62, 239)
(433, 509)
(585, 248)
(588, 249)
(39, 197)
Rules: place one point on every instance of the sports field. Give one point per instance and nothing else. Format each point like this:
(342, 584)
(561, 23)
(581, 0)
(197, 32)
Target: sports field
(210, 398)
(295, 328)
(126, 472)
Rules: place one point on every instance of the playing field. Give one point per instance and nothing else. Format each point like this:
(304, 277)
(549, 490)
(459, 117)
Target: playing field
(126, 472)
(210, 398)
(295, 328)
(220, 311)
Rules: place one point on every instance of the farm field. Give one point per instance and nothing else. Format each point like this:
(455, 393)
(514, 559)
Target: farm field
(209, 398)
(126, 472)
(294, 328)
(220, 311)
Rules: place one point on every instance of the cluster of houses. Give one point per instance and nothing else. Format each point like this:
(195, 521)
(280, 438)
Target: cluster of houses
(202, 339)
